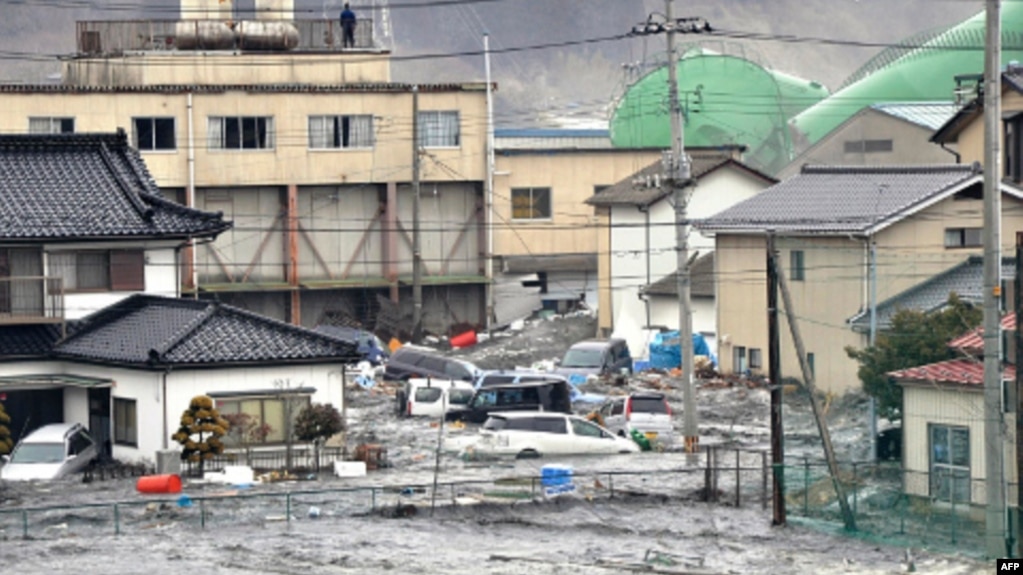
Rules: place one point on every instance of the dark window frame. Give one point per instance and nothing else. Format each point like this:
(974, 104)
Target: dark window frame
(243, 133)
(125, 270)
(154, 133)
(797, 265)
(126, 427)
(963, 238)
(538, 201)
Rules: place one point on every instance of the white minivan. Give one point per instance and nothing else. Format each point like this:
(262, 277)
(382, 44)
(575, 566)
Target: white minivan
(428, 397)
(645, 412)
(525, 434)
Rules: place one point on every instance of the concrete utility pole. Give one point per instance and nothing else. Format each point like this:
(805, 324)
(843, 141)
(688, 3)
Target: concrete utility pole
(774, 371)
(678, 177)
(1017, 306)
(491, 316)
(994, 454)
(417, 255)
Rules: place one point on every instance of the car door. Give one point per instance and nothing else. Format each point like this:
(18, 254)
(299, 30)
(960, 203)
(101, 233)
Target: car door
(590, 438)
(552, 435)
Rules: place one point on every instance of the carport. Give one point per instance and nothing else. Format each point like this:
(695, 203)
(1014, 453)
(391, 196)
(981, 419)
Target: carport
(34, 400)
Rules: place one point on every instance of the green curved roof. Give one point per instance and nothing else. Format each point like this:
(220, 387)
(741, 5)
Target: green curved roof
(730, 100)
(922, 68)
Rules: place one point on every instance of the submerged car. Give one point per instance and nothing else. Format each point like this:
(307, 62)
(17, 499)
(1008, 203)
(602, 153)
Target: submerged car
(645, 412)
(432, 397)
(50, 452)
(535, 434)
(599, 357)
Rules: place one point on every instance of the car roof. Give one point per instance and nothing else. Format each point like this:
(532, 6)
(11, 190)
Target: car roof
(525, 414)
(438, 382)
(541, 383)
(50, 433)
(595, 343)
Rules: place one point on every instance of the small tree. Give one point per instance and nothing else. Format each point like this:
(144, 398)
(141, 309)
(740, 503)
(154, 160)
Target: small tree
(246, 430)
(915, 338)
(6, 443)
(316, 422)
(201, 431)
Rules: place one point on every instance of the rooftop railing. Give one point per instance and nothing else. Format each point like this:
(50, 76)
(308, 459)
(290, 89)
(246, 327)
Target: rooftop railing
(114, 37)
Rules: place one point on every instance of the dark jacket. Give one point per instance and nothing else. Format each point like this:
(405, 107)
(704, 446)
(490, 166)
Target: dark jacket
(347, 17)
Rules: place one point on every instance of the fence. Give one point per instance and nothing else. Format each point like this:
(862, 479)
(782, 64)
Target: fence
(304, 458)
(877, 496)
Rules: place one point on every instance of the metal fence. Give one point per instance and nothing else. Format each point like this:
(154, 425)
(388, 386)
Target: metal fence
(115, 37)
(301, 458)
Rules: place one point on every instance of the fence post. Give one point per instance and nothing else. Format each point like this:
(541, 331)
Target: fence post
(611, 481)
(806, 486)
(287, 499)
(202, 513)
(738, 476)
(763, 479)
(117, 520)
(373, 498)
(855, 490)
(706, 475)
(24, 524)
(952, 485)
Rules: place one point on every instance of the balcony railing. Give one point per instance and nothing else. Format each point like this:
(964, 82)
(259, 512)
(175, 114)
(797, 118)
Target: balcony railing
(115, 37)
(31, 299)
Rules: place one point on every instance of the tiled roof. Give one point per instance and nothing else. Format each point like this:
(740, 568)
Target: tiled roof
(157, 332)
(965, 279)
(701, 280)
(972, 342)
(644, 187)
(965, 372)
(70, 187)
(844, 199)
(18, 342)
(930, 115)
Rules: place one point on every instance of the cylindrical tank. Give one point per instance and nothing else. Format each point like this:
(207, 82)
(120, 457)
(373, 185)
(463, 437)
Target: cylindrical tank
(159, 484)
(275, 9)
(203, 35)
(266, 35)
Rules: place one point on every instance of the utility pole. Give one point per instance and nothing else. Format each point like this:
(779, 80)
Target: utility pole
(1017, 306)
(417, 255)
(811, 391)
(777, 391)
(491, 317)
(995, 513)
(678, 177)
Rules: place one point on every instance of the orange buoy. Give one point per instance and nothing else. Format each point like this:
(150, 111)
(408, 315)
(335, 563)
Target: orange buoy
(159, 484)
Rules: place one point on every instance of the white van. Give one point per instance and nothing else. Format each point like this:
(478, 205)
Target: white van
(430, 397)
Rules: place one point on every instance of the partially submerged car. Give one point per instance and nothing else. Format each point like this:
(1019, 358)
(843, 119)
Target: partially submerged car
(551, 393)
(645, 412)
(523, 434)
(433, 397)
(597, 357)
(50, 452)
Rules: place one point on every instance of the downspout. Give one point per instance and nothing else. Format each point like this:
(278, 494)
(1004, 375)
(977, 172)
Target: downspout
(163, 394)
(646, 226)
(190, 199)
(953, 152)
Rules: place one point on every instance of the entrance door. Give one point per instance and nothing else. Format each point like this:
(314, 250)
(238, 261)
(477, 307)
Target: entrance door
(99, 419)
(32, 409)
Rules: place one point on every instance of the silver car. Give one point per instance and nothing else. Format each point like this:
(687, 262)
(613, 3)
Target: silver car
(50, 452)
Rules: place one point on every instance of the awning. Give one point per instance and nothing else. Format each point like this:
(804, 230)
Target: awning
(49, 381)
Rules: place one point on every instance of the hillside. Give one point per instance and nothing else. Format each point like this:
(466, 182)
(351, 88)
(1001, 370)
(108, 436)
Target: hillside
(578, 79)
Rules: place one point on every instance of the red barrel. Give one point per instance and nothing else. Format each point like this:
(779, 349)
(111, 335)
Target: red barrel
(159, 484)
(464, 339)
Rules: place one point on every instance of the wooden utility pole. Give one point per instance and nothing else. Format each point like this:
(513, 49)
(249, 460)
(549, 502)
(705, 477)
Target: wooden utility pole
(994, 437)
(417, 255)
(776, 391)
(811, 391)
(774, 374)
(677, 177)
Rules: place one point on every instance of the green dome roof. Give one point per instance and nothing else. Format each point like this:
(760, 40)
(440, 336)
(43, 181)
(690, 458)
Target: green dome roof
(730, 100)
(922, 68)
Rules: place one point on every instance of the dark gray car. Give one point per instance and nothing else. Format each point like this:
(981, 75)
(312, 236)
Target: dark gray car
(595, 357)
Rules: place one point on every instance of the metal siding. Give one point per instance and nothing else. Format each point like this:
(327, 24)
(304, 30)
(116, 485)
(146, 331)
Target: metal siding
(254, 212)
(335, 220)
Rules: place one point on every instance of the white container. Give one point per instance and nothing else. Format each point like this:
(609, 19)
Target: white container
(350, 468)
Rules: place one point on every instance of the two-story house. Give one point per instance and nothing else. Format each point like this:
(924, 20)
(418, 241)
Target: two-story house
(848, 239)
(91, 327)
(637, 243)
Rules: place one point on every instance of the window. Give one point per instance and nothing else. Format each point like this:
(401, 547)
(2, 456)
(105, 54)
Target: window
(1014, 148)
(797, 266)
(738, 359)
(339, 132)
(51, 125)
(439, 129)
(116, 270)
(125, 422)
(950, 463)
(811, 364)
(154, 133)
(531, 203)
(963, 238)
(756, 359)
(587, 429)
(868, 146)
(263, 416)
(240, 133)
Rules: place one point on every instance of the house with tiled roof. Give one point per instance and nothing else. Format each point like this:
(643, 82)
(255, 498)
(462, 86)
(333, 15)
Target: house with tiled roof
(637, 244)
(943, 437)
(885, 133)
(848, 239)
(92, 329)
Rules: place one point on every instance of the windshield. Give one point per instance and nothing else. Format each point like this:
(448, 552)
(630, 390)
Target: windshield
(459, 396)
(582, 358)
(38, 453)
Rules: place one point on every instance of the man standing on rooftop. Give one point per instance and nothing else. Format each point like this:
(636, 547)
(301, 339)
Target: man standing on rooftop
(348, 27)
